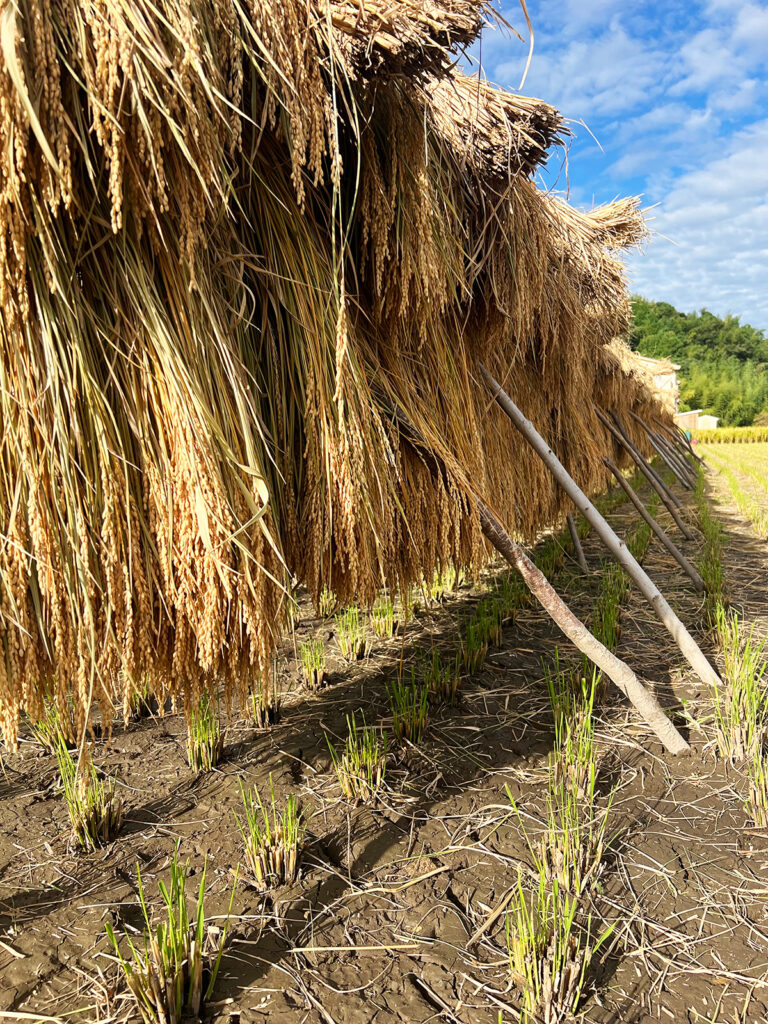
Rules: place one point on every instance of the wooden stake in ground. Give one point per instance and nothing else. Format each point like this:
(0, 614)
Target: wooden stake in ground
(616, 670)
(671, 547)
(653, 479)
(688, 646)
(577, 544)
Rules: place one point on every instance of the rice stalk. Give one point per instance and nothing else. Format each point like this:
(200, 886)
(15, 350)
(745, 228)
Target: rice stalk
(166, 977)
(273, 839)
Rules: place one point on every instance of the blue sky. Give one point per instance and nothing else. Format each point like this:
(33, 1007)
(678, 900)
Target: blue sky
(676, 95)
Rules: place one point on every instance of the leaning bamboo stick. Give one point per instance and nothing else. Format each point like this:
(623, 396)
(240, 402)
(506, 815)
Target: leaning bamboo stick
(653, 479)
(616, 670)
(682, 440)
(577, 544)
(671, 547)
(664, 488)
(666, 454)
(688, 646)
(677, 458)
(659, 448)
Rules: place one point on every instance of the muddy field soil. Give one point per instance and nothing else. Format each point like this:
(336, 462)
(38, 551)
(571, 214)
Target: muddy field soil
(398, 915)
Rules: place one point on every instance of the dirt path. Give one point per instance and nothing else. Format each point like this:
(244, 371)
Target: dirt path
(378, 927)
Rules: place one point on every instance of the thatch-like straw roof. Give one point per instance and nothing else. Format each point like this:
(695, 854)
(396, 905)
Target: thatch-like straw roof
(235, 240)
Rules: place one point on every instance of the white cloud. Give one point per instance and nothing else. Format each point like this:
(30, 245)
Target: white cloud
(711, 244)
(610, 74)
(751, 27)
(667, 91)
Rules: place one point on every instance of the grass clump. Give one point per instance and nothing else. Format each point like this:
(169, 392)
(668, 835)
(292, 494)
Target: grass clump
(140, 701)
(361, 766)
(274, 840)
(614, 589)
(350, 634)
(410, 709)
(265, 708)
(573, 701)
(443, 582)
(756, 802)
(175, 972)
(95, 811)
(741, 706)
(549, 954)
(548, 557)
(312, 655)
(205, 740)
(53, 729)
(327, 603)
(442, 678)
(383, 621)
(479, 632)
(510, 594)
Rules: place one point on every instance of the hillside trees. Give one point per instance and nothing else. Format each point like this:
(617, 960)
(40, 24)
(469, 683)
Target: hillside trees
(724, 363)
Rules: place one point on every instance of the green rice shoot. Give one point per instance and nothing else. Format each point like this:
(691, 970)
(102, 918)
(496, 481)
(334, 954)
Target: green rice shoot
(361, 766)
(312, 655)
(205, 741)
(95, 810)
(273, 838)
(165, 978)
(410, 709)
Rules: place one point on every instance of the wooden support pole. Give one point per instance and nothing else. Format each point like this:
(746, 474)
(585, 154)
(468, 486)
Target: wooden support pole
(668, 456)
(577, 544)
(684, 443)
(616, 670)
(659, 450)
(677, 457)
(682, 460)
(679, 443)
(688, 646)
(671, 547)
(656, 482)
(662, 488)
(681, 469)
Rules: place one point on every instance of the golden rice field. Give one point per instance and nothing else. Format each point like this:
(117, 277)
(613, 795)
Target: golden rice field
(743, 471)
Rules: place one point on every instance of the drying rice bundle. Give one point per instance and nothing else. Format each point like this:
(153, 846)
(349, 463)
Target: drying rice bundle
(498, 134)
(407, 37)
(238, 245)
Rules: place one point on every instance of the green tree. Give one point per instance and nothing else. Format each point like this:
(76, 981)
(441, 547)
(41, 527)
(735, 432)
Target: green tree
(723, 363)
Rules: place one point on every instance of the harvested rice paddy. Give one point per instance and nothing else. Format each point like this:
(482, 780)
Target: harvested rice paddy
(406, 900)
(742, 470)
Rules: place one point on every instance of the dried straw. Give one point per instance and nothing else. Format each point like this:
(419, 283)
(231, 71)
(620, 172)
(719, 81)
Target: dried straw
(234, 238)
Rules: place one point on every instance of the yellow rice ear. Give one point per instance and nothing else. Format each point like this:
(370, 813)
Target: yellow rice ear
(257, 237)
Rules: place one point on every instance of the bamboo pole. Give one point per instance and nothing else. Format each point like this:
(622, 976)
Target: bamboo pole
(670, 457)
(655, 481)
(617, 671)
(688, 646)
(684, 443)
(680, 468)
(577, 544)
(662, 450)
(617, 431)
(677, 456)
(632, 447)
(671, 547)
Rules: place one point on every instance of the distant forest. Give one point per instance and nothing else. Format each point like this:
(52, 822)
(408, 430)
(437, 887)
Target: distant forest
(724, 364)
